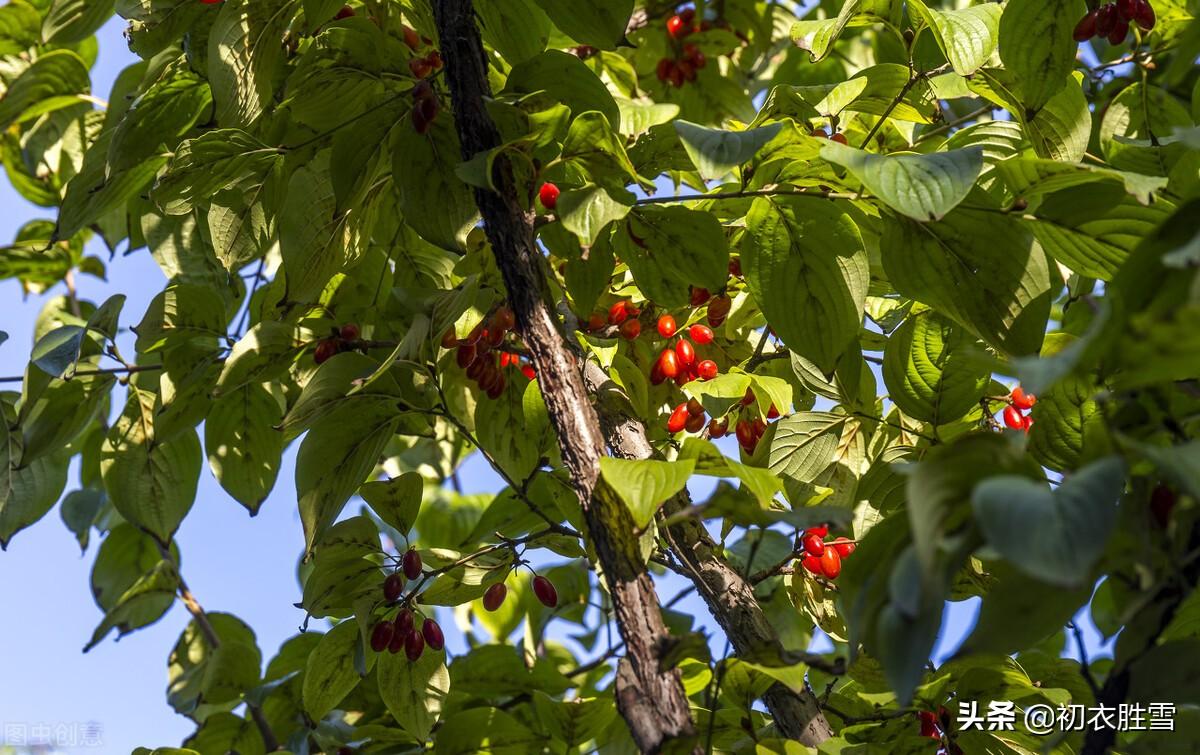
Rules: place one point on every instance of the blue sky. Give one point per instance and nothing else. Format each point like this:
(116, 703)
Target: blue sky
(232, 562)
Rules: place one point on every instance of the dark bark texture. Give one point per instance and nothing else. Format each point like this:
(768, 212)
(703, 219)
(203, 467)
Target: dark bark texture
(730, 597)
(651, 700)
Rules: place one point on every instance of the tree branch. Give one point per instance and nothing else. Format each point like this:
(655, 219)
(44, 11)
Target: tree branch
(651, 700)
(728, 595)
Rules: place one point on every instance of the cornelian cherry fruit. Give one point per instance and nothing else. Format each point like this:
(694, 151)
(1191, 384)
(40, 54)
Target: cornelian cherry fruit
(393, 586)
(545, 592)
(494, 597)
(432, 632)
(666, 326)
(701, 334)
(631, 329)
(1013, 418)
(678, 419)
(548, 195)
(685, 352)
(411, 562)
(813, 545)
(1023, 400)
(844, 546)
(381, 636)
(831, 563)
(707, 369)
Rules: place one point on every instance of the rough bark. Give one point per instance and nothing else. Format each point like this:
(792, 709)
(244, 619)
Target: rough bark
(652, 701)
(729, 596)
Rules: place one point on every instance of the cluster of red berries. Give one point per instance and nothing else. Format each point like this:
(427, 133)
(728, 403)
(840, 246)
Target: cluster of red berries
(750, 427)
(342, 339)
(687, 59)
(402, 633)
(822, 558)
(423, 66)
(1111, 20)
(678, 362)
(543, 589)
(838, 137)
(474, 353)
(1018, 402)
(425, 106)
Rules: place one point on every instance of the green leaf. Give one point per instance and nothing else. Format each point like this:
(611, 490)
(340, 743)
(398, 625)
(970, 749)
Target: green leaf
(804, 444)
(72, 21)
(588, 210)
(95, 191)
(967, 36)
(933, 370)
(179, 314)
(245, 54)
(1053, 535)
(413, 691)
(330, 674)
(671, 248)
(600, 25)
(396, 501)
(645, 485)
(517, 29)
(517, 454)
(126, 556)
(1179, 464)
(818, 36)
(244, 448)
(438, 206)
(567, 80)
(54, 412)
(26, 492)
(1067, 421)
(1044, 609)
(56, 352)
(716, 152)
(1037, 47)
(159, 117)
(806, 265)
(55, 80)
(923, 187)
(151, 482)
(201, 674)
(264, 353)
(335, 458)
(150, 593)
(486, 730)
(214, 161)
(981, 269)
(1085, 230)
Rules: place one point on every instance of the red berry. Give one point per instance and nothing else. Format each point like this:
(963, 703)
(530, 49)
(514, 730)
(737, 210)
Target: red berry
(701, 334)
(812, 564)
(698, 296)
(656, 375)
(404, 621)
(1013, 418)
(494, 597)
(449, 339)
(618, 312)
(396, 644)
(595, 322)
(717, 428)
(831, 563)
(209, 2)
(695, 423)
(663, 70)
(1162, 503)
(1026, 423)
(677, 27)
(1023, 400)
(735, 266)
(678, 419)
(844, 546)
(840, 138)
(813, 545)
(434, 59)
(497, 388)
(325, 351)
(1119, 31)
(689, 70)
(419, 67)
(433, 634)
(548, 195)
(676, 75)
(411, 38)
(1144, 15)
(685, 352)
(695, 408)
(528, 371)
(381, 635)
(668, 363)
(505, 317)
(506, 359)
(1126, 10)
(1106, 19)
(718, 310)
(745, 435)
(748, 397)
(666, 326)
(698, 60)
(773, 412)
(545, 592)
(1086, 28)
(631, 329)
(393, 586)
(349, 332)
(820, 133)
(821, 531)
(414, 645)
(707, 369)
(345, 12)
(412, 564)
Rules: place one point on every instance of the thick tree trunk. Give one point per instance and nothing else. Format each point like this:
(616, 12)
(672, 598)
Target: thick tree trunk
(729, 596)
(652, 701)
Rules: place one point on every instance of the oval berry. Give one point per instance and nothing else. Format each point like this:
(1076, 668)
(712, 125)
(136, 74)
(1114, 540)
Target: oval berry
(699, 296)
(505, 318)
(677, 27)
(666, 326)
(393, 586)
(449, 339)
(717, 428)
(465, 356)
(718, 309)
(839, 138)
(494, 597)
(668, 363)
(656, 375)
(528, 371)
(324, 351)
(678, 419)
(812, 564)
(631, 329)
(821, 531)
(545, 592)
(831, 563)
(381, 636)
(1013, 418)
(618, 312)
(548, 195)
(1086, 28)
(414, 645)
(1021, 399)
(1144, 15)
(813, 545)
(663, 70)
(412, 564)
(1162, 503)
(929, 727)
(701, 334)
(1026, 423)
(695, 423)
(595, 322)
(685, 352)
(745, 434)
(1106, 19)
(433, 634)
(1126, 10)
(844, 546)
(349, 332)
(1119, 31)
(404, 621)
(396, 644)
(707, 369)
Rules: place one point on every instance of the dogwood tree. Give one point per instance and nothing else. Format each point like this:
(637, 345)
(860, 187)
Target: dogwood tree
(915, 280)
